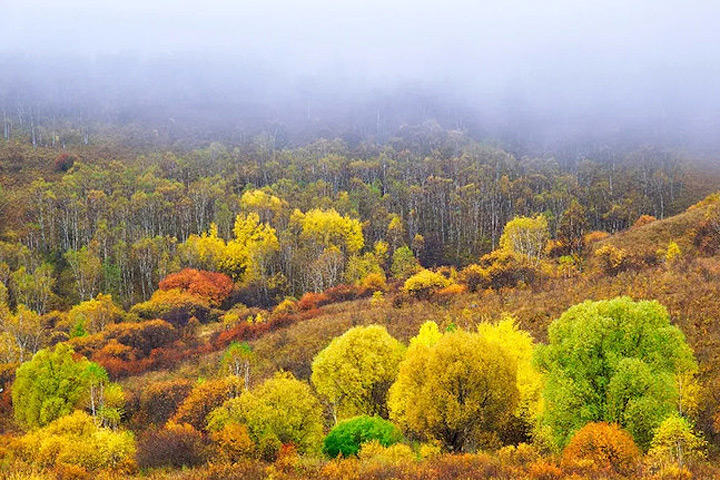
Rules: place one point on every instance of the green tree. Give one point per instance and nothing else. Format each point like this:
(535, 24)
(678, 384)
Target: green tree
(615, 361)
(48, 386)
(404, 263)
(347, 437)
(459, 389)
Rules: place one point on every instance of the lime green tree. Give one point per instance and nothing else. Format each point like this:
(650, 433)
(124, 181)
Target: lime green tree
(675, 441)
(616, 361)
(53, 384)
(348, 436)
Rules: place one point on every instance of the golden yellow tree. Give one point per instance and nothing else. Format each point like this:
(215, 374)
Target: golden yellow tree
(356, 370)
(459, 390)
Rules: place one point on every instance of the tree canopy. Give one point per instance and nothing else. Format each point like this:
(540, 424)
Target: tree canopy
(356, 370)
(616, 361)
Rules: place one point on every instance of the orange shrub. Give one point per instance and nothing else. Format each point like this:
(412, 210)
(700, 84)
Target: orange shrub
(206, 397)
(643, 220)
(601, 447)
(595, 236)
(311, 301)
(159, 401)
(212, 287)
(543, 470)
(233, 442)
(447, 293)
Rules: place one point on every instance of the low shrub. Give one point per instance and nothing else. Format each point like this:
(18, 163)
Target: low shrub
(348, 436)
(601, 448)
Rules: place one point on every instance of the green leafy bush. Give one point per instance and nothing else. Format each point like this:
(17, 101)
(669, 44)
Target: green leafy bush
(347, 437)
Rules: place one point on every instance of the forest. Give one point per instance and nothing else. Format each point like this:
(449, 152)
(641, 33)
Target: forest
(359, 240)
(426, 307)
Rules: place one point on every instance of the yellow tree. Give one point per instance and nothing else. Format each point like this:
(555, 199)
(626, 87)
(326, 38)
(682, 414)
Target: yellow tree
(265, 205)
(526, 236)
(325, 228)
(248, 256)
(280, 411)
(356, 370)
(518, 345)
(95, 314)
(459, 389)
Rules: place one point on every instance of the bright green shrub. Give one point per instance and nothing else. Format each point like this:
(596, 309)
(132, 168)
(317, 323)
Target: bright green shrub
(348, 436)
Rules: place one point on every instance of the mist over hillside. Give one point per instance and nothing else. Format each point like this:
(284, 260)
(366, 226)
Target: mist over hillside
(540, 80)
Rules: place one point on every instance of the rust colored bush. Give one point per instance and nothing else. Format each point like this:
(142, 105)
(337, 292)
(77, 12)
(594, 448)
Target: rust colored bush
(312, 300)
(66, 471)
(159, 401)
(595, 236)
(176, 445)
(341, 293)
(206, 397)
(543, 470)
(243, 332)
(64, 162)
(601, 448)
(212, 287)
(143, 337)
(643, 220)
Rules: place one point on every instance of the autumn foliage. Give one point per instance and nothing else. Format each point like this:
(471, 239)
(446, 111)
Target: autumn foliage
(210, 286)
(602, 448)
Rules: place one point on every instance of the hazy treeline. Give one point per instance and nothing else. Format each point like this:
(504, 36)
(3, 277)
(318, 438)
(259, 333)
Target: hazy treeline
(436, 192)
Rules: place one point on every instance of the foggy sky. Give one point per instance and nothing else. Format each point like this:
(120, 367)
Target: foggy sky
(563, 61)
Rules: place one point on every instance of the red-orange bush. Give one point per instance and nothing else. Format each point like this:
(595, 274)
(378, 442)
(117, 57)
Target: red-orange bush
(64, 162)
(342, 293)
(601, 447)
(206, 397)
(159, 401)
(312, 300)
(213, 287)
(643, 220)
